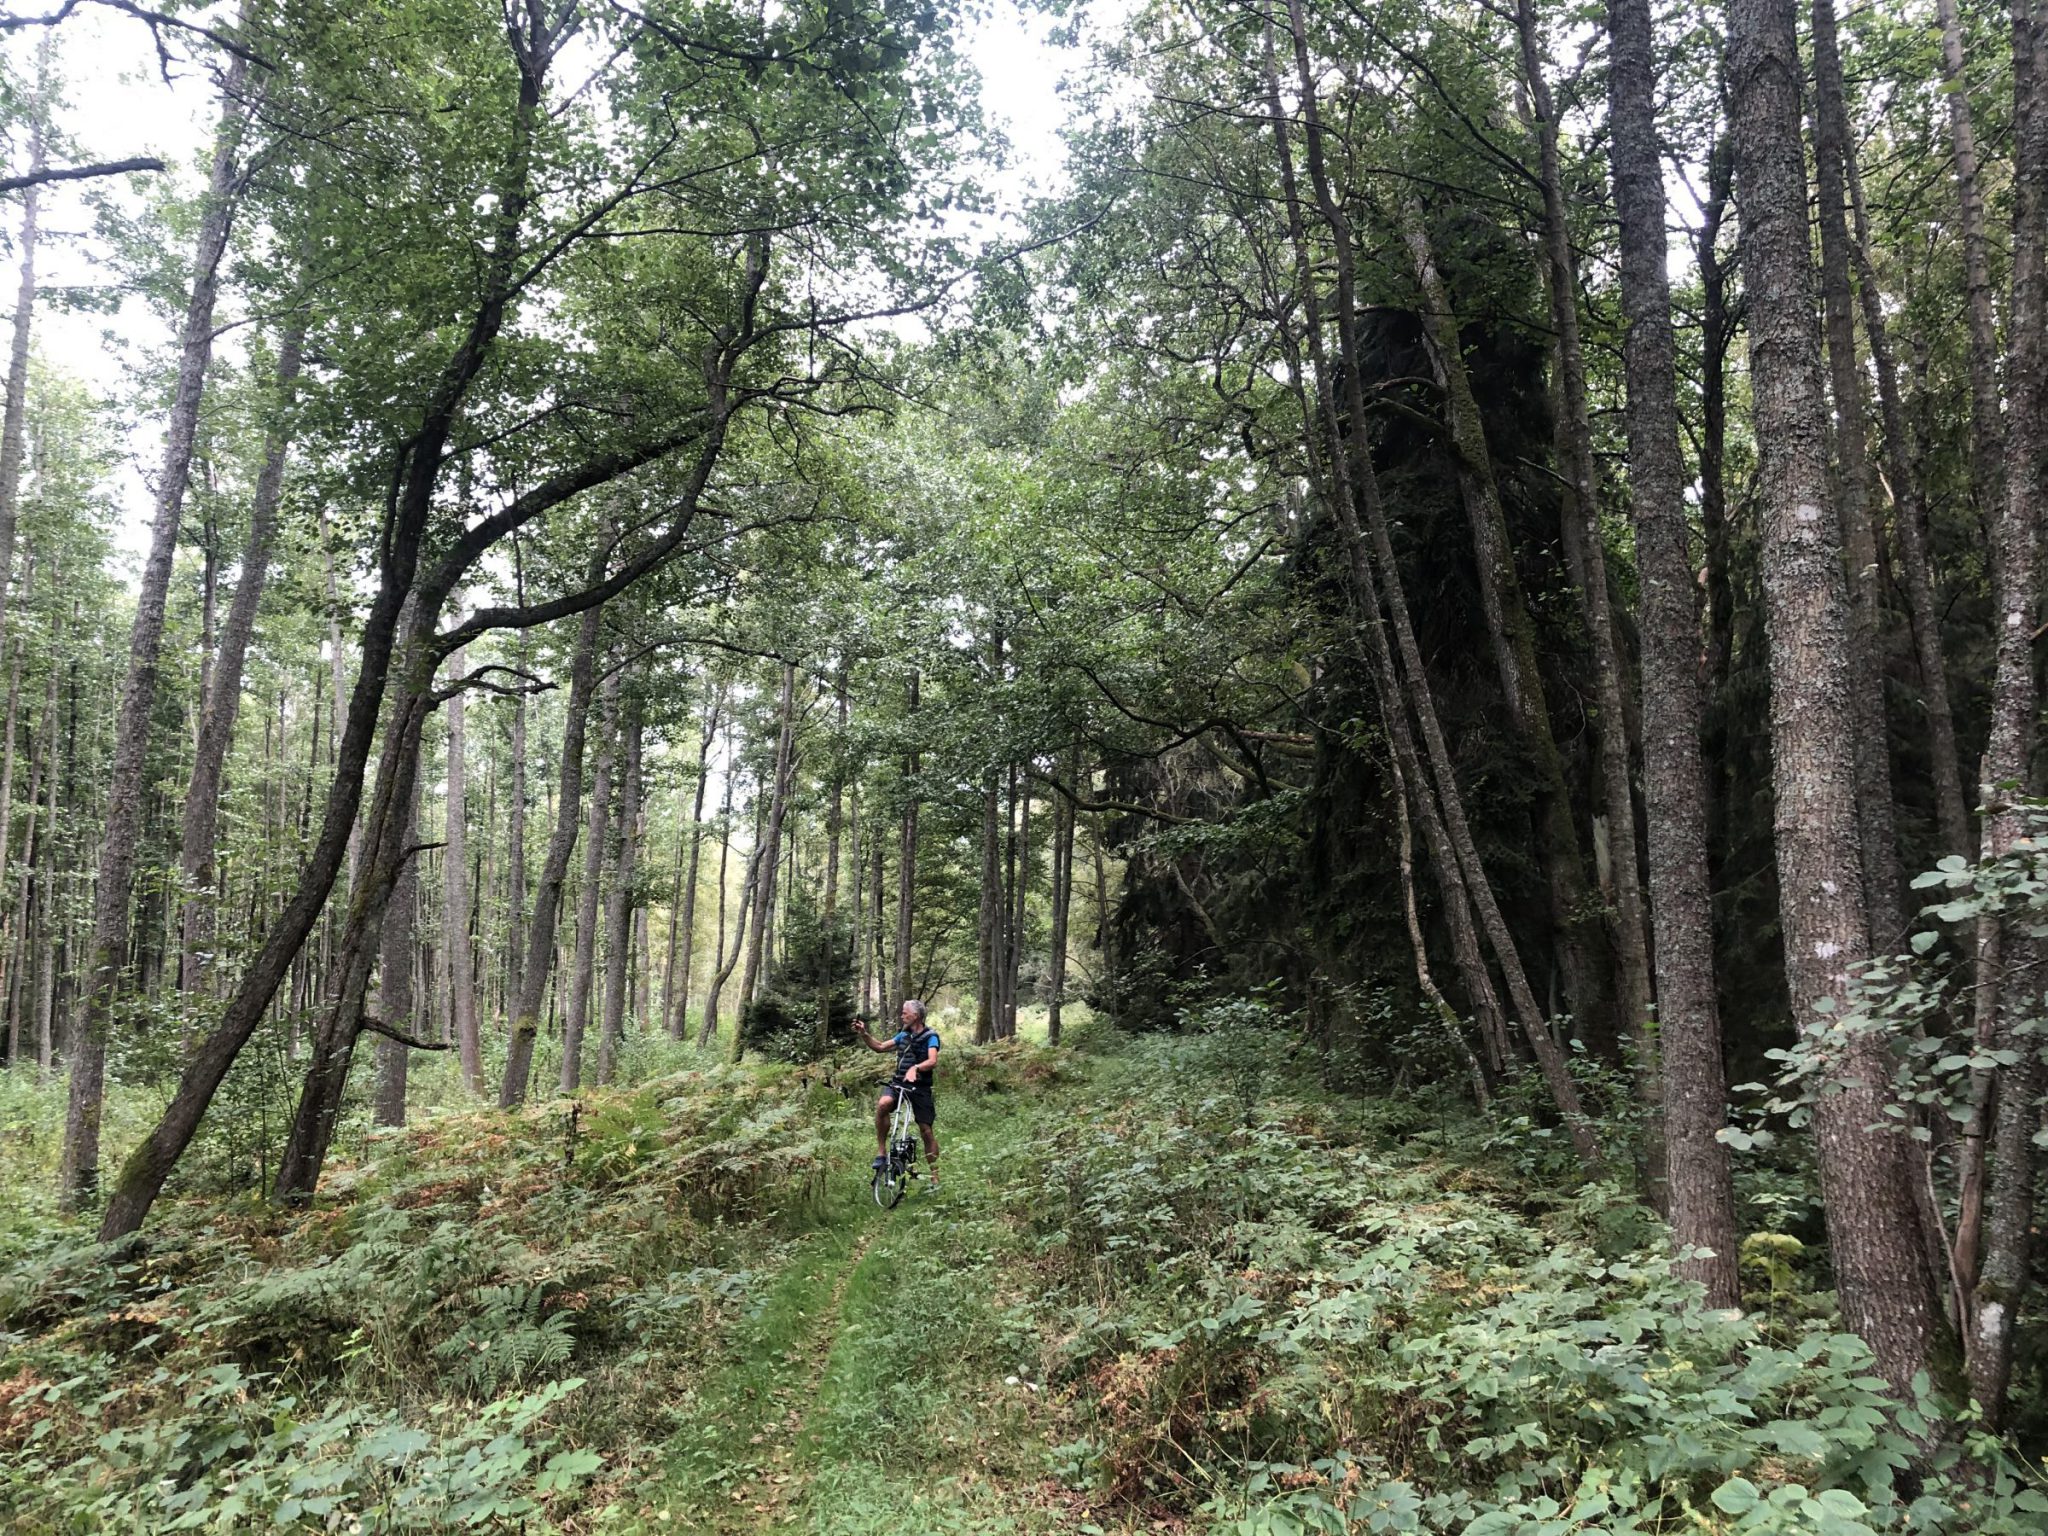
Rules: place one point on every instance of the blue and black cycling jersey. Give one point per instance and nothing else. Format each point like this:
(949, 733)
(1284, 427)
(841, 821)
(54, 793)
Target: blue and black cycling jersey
(912, 1046)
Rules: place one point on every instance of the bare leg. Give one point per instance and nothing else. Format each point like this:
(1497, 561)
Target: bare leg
(931, 1149)
(885, 1106)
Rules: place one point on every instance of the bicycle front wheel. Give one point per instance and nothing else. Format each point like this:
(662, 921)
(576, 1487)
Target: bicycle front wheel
(887, 1183)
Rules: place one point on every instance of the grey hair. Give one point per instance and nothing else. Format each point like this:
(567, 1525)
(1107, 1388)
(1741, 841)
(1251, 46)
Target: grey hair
(917, 1004)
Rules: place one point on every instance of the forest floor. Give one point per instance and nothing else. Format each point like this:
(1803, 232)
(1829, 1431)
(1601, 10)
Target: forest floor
(843, 1362)
(1171, 1285)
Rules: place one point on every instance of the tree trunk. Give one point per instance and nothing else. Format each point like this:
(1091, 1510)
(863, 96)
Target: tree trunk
(223, 693)
(871, 968)
(724, 968)
(1615, 708)
(679, 1004)
(547, 905)
(1701, 1190)
(769, 858)
(1350, 451)
(455, 891)
(1987, 430)
(625, 896)
(834, 814)
(1513, 636)
(988, 948)
(515, 861)
(13, 423)
(1881, 884)
(122, 832)
(582, 975)
(1062, 898)
(906, 869)
(1909, 522)
(1717, 334)
(1337, 469)
(396, 999)
(1886, 1293)
(1020, 884)
(1987, 1263)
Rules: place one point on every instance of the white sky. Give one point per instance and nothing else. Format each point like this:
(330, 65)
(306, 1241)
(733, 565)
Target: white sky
(116, 105)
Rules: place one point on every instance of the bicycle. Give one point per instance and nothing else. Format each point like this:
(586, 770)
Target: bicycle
(899, 1163)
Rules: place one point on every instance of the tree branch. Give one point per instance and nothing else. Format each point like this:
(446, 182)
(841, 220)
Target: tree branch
(379, 1027)
(80, 172)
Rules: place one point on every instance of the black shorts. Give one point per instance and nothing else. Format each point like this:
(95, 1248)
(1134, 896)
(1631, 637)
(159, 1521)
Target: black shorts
(922, 1109)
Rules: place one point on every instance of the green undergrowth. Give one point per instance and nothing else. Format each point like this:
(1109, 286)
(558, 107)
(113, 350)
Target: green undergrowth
(1169, 1286)
(1281, 1312)
(488, 1321)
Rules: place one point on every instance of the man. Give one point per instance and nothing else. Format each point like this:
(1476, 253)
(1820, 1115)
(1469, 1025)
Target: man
(917, 1060)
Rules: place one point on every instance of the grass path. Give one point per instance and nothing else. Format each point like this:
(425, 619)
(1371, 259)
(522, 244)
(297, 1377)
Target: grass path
(858, 1397)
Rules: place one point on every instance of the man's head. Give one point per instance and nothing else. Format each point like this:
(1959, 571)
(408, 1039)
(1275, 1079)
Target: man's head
(913, 1014)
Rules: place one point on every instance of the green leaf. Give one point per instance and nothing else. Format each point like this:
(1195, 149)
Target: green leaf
(1737, 1496)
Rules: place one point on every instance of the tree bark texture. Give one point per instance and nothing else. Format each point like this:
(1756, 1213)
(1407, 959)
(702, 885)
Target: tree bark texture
(1987, 427)
(1700, 1184)
(906, 869)
(14, 422)
(1879, 839)
(679, 1001)
(1989, 1257)
(1887, 1294)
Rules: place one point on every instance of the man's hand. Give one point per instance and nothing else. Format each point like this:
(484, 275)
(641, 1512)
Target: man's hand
(910, 1077)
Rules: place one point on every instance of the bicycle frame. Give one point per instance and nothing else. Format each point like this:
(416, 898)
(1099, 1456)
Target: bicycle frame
(900, 1160)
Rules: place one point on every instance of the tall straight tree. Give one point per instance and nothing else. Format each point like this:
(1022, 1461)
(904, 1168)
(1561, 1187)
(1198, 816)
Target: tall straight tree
(1992, 1257)
(623, 903)
(906, 863)
(1987, 427)
(456, 891)
(768, 857)
(1886, 1289)
(121, 834)
(1610, 682)
(582, 966)
(14, 420)
(1699, 1182)
(199, 826)
(531, 994)
(1854, 488)
(397, 998)
(677, 993)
